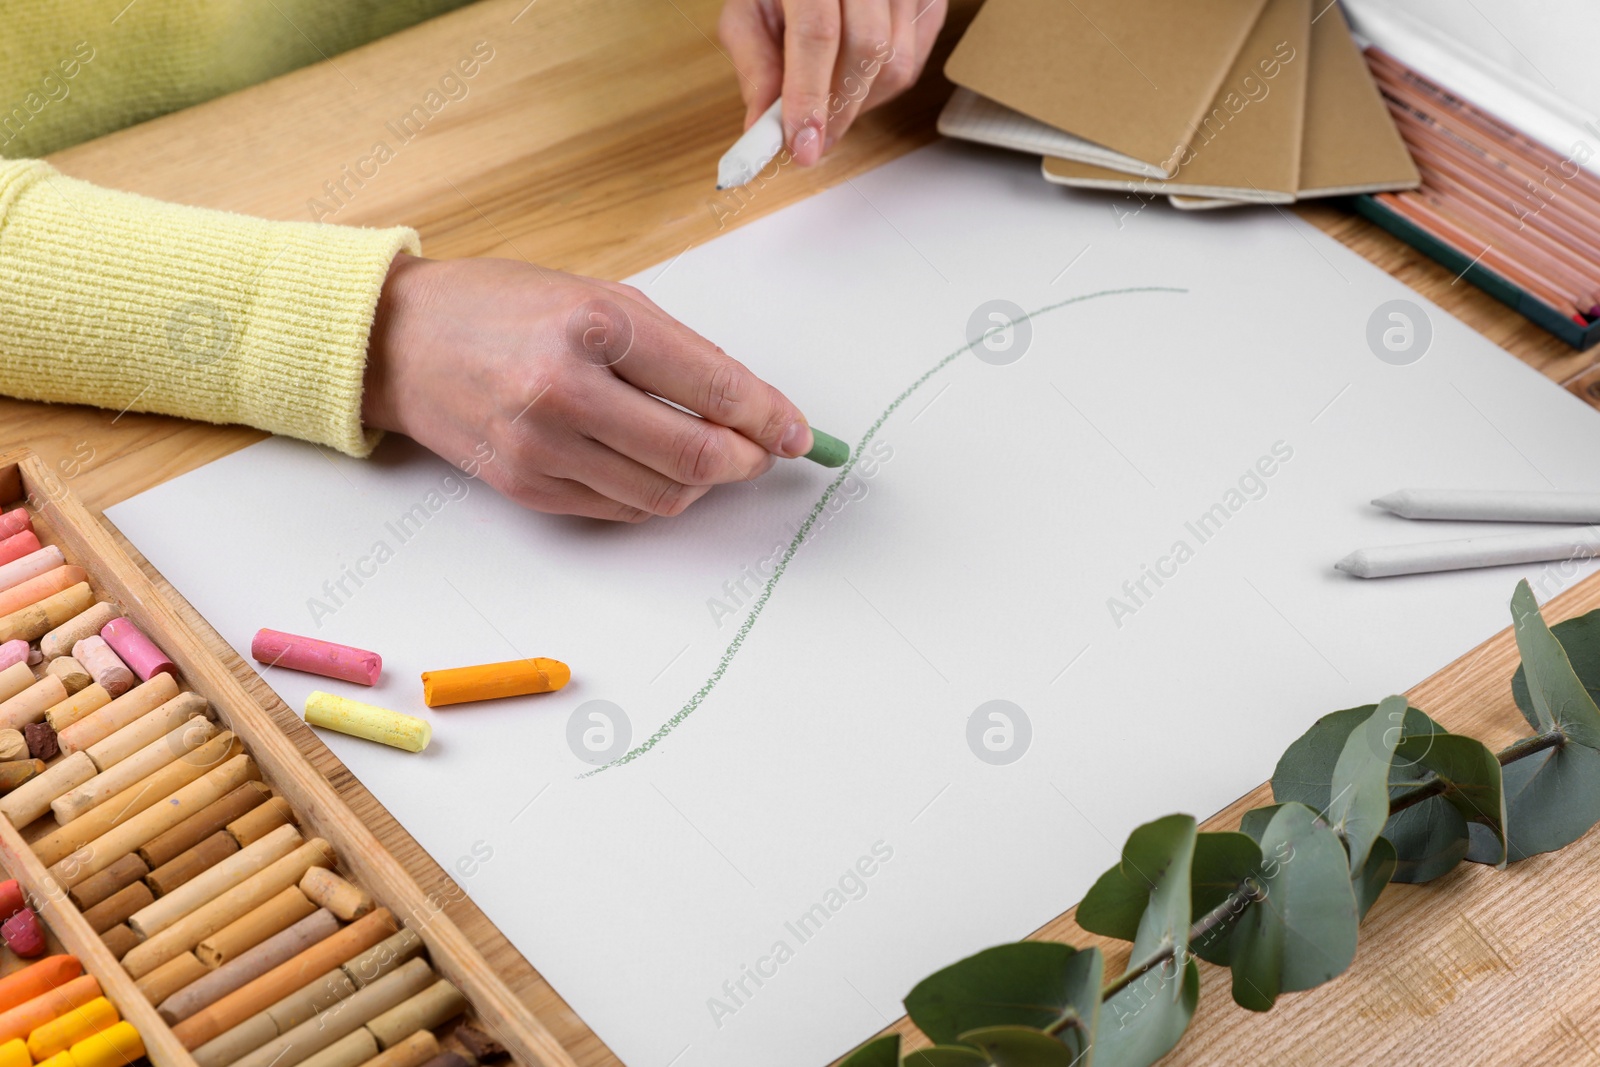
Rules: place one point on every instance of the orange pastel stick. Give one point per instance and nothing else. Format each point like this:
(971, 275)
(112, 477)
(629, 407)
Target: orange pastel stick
(34, 590)
(36, 978)
(490, 681)
(28, 1016)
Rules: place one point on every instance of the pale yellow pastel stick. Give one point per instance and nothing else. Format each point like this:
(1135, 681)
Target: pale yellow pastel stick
(71, 673)
(369, 721)
(213, 882)
(166, 813)
(59, 642)
(30, 705)
(145, 729)
(31, 800)
(14, 679)
(80, 705)
(148, 760)
(36, 620)
(138, 701)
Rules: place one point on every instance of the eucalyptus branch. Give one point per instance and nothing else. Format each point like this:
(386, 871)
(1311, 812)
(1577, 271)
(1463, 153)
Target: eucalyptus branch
(1248, 892)
(1522, 749)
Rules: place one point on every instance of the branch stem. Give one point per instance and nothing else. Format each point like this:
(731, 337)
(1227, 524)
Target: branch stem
(1210, 921)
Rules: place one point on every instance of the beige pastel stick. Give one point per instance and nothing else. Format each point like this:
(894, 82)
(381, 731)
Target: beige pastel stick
(352, 1050)
(383, 957)
(71, 673)
(146, 728)
(172, 976)
(411, 1051)
(255, 926)
(179, 741)
(15, 679)
(130, 706)
(250, 965)
(211, 884)
(31, 800)
(143, 794)
(243, 1039)
(211, 819)
(187, 866)
(189, 931)
(13, 745)
(259, 822)
(314, 1035)
(59, 642)
(331, 891)
(127, 835)
(31, 704)
(37, 620)
(311, 1001)
(77, 707)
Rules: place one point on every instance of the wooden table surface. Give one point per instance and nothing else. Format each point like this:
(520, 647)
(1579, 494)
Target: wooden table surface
(588, 143)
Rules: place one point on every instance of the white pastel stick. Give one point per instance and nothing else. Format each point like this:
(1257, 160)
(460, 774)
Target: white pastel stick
(1573, 542)
(1492, 505)
(751, 153)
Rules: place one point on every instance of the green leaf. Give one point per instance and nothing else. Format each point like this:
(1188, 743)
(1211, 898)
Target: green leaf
(1359, 805)
(1304, 774)
(879, 1052)
(1580, 637)
(1377, 873)
(1038, 984)
(1558, 698)
(1472, 782)
(945, 1056)
(1254, 822)
(1141, 1023)
(1302, 932)
(1429, 839)
(1017, 1046)
(1118, 905)
(1552, 799)
(1221, 864)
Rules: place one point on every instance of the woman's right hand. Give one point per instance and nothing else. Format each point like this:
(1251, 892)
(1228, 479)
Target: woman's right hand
(547, 384)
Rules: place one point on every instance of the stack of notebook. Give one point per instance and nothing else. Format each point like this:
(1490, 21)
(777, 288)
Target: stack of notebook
(1208, 102)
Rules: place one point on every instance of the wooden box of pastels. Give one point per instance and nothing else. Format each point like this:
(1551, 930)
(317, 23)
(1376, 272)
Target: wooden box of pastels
(227, 904)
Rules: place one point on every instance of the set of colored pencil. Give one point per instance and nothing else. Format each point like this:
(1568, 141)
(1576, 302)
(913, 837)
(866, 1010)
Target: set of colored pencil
(1494, 194)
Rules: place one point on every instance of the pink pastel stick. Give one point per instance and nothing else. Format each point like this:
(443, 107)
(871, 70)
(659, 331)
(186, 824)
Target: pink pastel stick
(18, 545)
(317, 657)
(14, 522)
(30, 566)
(14, 652)
(136, 650)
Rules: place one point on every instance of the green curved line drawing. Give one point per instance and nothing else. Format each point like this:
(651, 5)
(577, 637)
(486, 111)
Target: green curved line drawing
(694, 702)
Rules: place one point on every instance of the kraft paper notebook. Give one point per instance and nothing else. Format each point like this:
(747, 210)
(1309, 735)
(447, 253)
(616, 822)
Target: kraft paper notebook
(1131, 76)
(1351, 145)
(1247, 146)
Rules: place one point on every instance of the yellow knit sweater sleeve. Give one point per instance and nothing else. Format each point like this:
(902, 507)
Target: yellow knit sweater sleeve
(132, 304)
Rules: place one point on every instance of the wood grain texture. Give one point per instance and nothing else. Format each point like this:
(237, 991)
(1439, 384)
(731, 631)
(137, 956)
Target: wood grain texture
(588, 143)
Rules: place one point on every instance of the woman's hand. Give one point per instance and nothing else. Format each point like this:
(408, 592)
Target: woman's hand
(831, 60)
(542, 383)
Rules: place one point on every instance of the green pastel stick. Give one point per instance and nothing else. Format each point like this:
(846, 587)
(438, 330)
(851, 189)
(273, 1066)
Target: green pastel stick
(827, 449)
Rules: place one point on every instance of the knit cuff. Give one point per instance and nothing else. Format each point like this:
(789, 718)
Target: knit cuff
(134, 304)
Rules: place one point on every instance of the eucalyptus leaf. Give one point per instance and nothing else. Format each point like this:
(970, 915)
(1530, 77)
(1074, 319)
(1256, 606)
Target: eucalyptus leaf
(1018, 1046)
(1429, 839)
(1304, 774)
(1472, 782)
(1552, 798)
(879, 1052)
(1375, 874)
(1359, 805)
(1037, 984)
(1141, 1022)
(945, 1056)
(1302, 932)
(1253, 823)
(1558, 698)
(1580, 637)
(1221, 864)
(1162, 854)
